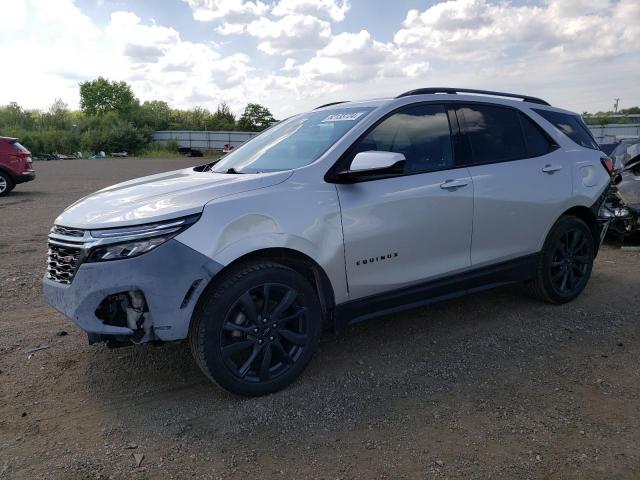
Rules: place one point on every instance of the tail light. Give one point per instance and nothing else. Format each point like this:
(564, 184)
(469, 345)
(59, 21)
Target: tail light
(607, 163)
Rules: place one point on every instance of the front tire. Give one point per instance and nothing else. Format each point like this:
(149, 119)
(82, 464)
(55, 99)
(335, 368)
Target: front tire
(256, 329)
(6, 184)
(565, 263)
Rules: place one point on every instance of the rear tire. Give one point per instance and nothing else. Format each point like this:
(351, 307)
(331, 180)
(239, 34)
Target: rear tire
(6, 184)
(256, 329)
(565, 263)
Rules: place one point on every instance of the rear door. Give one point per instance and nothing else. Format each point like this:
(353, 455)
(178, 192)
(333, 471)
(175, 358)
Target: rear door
(413, 226)
(521, 182)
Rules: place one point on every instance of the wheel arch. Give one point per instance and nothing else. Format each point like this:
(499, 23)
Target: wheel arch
(588, 216)
(12, 177)
(294, 259)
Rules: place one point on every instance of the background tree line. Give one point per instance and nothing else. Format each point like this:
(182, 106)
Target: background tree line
(603, 118)
(112, 119)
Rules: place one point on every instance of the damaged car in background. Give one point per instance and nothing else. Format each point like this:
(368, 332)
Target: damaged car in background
(622, 205)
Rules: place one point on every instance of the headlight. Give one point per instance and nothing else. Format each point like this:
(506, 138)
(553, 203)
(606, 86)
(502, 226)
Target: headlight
(128, 242)
(126, 250)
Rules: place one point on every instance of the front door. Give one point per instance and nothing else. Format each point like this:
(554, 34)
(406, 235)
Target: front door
(414, 226)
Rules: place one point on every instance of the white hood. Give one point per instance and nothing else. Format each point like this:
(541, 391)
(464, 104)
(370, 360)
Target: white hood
(160, 197)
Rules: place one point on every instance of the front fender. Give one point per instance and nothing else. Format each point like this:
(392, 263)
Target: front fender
(253, 243)
(292, 215)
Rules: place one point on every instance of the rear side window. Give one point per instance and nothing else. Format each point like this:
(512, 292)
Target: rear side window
(18, 147)
(572, 126)
(537, 142)
(493, 132)
(420, 132)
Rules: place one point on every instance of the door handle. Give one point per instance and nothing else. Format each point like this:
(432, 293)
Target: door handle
(453, 184)
(548, 168)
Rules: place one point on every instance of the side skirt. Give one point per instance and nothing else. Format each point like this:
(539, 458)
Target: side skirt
(474, 280)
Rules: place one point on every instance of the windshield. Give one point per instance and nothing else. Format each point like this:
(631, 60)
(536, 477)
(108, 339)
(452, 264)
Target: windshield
(293, 143)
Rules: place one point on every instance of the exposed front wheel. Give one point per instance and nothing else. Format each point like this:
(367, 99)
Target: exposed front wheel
(257, 329)
(566, 261)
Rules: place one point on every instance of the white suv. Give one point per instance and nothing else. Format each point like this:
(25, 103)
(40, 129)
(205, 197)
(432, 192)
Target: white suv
(331, 217)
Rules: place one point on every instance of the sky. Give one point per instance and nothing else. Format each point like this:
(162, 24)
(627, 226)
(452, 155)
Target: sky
(293, 55)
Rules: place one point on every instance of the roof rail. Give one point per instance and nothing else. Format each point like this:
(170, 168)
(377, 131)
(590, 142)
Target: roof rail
(453, 91)
(329, 104)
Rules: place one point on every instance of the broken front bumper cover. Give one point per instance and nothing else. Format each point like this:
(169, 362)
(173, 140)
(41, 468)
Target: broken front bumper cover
(171, 277)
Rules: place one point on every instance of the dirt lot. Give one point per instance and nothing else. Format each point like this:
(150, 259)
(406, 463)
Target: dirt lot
(495, 385)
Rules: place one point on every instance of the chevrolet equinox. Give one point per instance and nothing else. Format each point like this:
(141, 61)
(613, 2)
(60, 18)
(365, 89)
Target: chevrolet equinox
(334, 216)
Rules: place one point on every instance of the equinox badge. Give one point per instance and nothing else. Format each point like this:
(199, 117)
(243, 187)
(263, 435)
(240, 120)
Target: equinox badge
(388, 256)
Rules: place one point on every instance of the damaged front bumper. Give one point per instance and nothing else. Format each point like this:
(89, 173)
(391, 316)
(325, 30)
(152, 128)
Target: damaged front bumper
(140, 299)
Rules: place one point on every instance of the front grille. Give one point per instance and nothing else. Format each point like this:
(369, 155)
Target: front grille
(62, 263)
(67, 231)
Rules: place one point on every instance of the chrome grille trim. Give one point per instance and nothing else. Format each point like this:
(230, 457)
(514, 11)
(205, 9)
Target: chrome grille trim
(67, 249)
(63, 262)
(67, 231)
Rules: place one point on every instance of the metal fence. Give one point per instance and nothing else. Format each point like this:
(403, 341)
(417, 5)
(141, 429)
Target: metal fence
(611, 132)
(603, 134)
(203, 140)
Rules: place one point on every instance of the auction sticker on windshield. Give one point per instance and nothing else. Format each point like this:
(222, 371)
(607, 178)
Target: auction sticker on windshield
(343, 117)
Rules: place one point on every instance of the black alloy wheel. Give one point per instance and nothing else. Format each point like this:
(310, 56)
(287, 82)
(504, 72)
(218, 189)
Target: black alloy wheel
(565, 262)
(571, 261)
(256, 328)
(264, 333)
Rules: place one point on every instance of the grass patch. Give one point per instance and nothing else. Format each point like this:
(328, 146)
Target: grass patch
(154, 152)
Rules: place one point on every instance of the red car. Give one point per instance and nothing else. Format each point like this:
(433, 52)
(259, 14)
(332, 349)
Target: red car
(15, 165)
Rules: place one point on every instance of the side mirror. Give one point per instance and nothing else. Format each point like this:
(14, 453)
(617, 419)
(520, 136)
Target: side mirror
(372, 164)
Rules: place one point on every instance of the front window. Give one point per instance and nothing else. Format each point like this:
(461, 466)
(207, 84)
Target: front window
(293, 143)
(421, 133)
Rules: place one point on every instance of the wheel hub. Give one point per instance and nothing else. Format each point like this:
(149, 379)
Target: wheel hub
(268, 334)
(570, 261)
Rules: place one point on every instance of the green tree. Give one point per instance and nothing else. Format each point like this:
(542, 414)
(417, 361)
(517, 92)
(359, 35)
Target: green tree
(154, 114)
(58, 116)
(101, 95)
(255, 118)
(223, 114)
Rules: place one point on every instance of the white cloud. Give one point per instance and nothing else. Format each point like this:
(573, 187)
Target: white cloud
(352, 58)
(327, 9)
(480, 30)
(231, 11)
(576, 53)
(289, 34)
(126, 26)
(142, 54)
(61, 46)
(231, 28)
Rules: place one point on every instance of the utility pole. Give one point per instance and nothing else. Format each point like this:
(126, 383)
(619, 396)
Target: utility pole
(615, 105)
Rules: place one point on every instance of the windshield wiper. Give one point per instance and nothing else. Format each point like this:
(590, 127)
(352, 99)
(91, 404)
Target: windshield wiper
(233, 171)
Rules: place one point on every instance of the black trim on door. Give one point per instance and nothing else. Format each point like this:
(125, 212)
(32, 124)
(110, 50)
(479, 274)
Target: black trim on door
(474, 280)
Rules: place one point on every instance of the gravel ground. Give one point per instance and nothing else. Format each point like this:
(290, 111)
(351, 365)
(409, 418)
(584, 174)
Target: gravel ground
(494, 385)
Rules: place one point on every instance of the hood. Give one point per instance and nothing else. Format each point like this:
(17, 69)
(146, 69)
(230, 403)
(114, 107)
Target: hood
(160, 197)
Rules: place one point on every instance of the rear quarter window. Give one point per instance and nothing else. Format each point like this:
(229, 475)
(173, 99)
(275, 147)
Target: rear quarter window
(19, 147)
(571, 125)
(537, 142)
